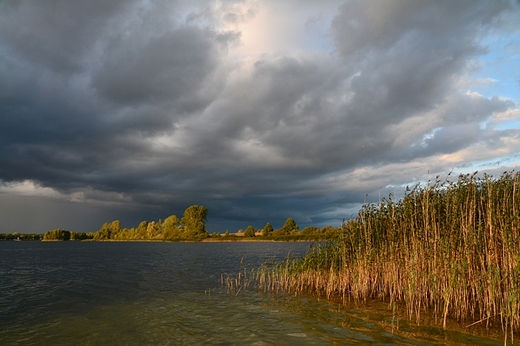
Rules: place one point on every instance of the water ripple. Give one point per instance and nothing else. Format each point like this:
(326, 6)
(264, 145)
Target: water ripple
(169, 294)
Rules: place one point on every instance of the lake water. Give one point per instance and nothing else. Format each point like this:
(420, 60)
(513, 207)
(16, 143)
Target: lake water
(92, 293)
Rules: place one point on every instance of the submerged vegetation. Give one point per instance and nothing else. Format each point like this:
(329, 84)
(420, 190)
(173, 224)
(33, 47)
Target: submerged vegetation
(449, 248)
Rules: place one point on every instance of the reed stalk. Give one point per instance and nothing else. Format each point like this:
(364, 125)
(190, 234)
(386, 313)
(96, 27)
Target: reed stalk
(449, 248)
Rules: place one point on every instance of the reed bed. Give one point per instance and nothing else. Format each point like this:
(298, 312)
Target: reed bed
(449, 248)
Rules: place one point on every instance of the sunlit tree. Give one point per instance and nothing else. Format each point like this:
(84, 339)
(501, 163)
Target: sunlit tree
(105, 232)
(311, 230)
(289, 227)
(57, 234)
(78, 236)
(142, 230)
(115, 227)
(249, 232)
(194, 221)
(170, 227)
(268, 230)
(152, 231)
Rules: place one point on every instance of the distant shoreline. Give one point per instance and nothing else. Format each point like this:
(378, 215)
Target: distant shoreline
(206, 240)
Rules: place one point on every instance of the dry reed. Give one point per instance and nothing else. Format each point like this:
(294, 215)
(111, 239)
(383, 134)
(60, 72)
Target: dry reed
(449, 248)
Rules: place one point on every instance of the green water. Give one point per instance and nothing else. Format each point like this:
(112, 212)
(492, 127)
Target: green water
(170, 294)
(221, 318)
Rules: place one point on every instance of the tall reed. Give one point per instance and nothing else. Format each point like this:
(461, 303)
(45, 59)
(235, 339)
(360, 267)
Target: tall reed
(451, 248)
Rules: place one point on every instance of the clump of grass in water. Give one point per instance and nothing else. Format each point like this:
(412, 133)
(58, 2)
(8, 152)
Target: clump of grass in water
(237, 283)
(451, 248)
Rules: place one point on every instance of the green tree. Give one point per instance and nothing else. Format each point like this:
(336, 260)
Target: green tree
(330, 231)
(78, 236)
(311, 230)
(105, 232)
(152, 231)
(289, 227)
(250, 232)
(142, 230)
(115, 228)
(57, 234)
(170, 227)
(268, 230)
(129, 233)
(194, 221)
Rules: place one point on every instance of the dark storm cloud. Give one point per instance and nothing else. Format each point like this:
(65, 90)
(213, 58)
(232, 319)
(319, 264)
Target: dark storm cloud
(171, 68)
(76, 124)
(55, 34)
(143, 107)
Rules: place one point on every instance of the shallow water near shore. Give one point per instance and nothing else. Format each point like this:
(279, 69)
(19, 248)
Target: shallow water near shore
(72, 293)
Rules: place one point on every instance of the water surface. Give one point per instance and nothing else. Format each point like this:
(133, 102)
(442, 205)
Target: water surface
(109, 293)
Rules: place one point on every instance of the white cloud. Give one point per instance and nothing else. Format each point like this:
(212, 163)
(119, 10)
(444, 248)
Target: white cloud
(510, 114)
(28, 188)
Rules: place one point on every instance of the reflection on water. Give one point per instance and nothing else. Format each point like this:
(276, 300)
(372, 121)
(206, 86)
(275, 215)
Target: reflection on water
(169, 294)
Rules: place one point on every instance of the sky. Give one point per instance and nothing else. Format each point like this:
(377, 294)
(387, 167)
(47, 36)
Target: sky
(258, 110)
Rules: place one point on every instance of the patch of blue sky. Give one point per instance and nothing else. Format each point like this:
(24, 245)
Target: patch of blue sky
(508, 124)
(501, 68)
(507, 161)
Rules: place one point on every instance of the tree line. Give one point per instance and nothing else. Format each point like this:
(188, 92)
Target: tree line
(19, 236)
(61, 234)
(192, 226)
(290, 230)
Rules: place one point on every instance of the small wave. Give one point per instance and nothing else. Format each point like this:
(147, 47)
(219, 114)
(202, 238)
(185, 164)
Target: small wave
(298, 335)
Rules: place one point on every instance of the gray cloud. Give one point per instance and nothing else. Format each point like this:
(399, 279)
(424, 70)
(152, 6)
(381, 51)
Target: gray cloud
(141, 109)
(56, 34)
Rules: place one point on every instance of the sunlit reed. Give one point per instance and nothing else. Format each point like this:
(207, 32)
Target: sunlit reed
(449, 248)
